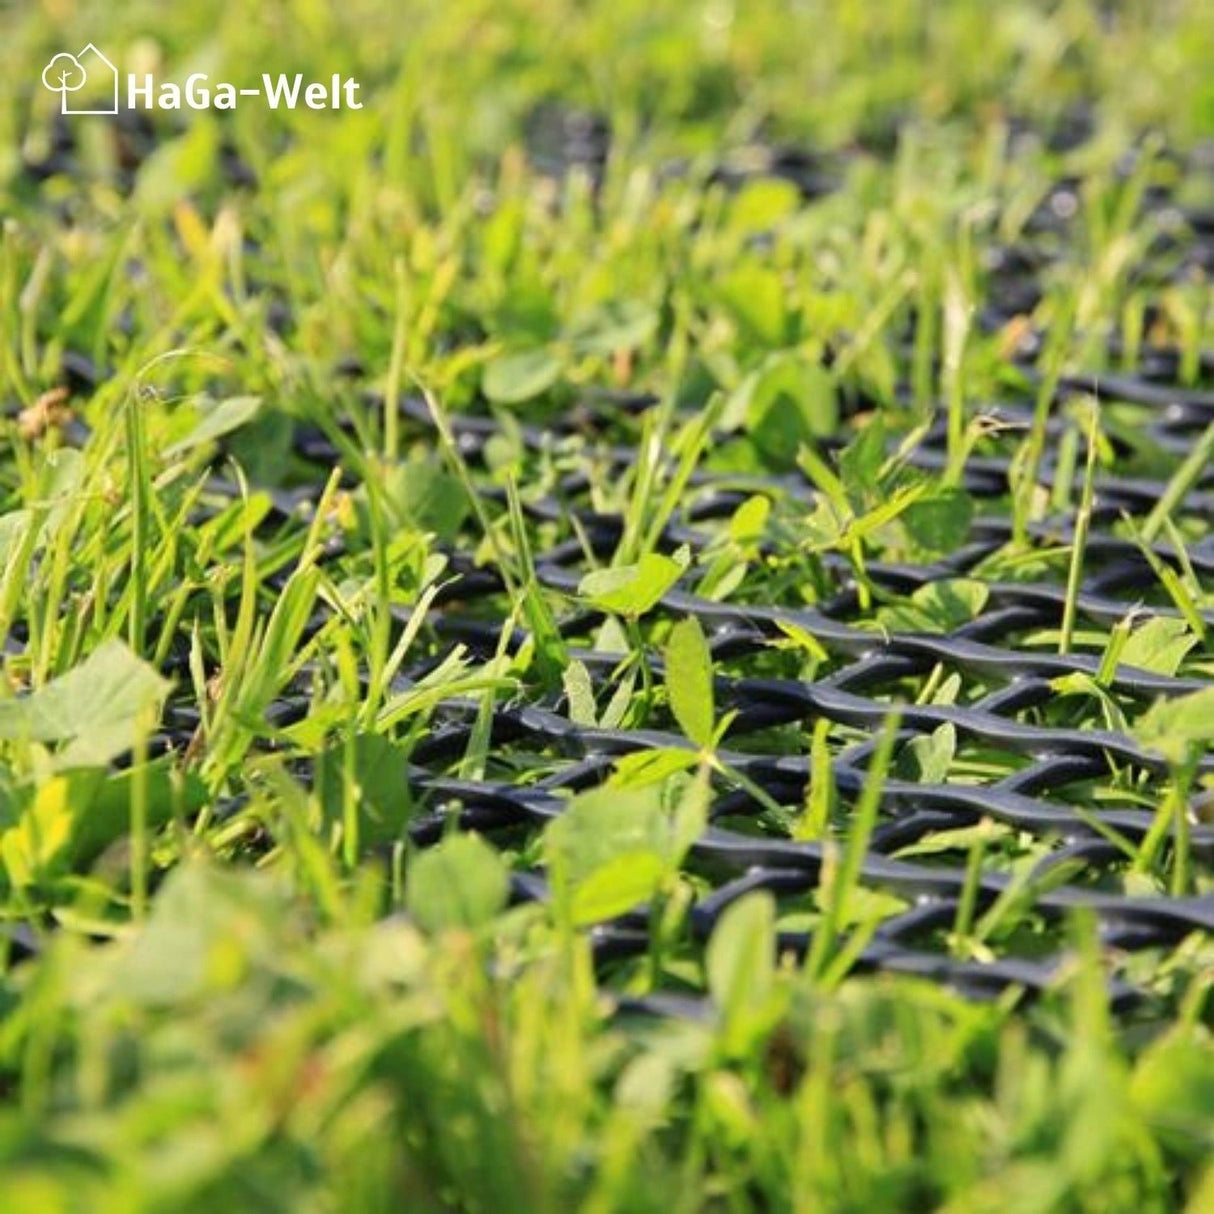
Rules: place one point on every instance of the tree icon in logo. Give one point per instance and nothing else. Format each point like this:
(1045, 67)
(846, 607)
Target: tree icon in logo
(64, 74)
(67, 74)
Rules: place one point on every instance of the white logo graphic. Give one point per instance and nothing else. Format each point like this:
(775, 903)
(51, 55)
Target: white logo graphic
(67, 74)
(92, 71)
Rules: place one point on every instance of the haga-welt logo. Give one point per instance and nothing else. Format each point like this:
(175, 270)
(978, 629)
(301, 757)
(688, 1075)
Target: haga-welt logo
(68, 74)
(87, 83)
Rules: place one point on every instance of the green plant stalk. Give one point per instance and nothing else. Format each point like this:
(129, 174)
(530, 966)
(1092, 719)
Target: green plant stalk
(400, 334)
(1083, 520)
(140, 847)
(551, 653)
(654, 435)
(380, 610)
(1181, 882)
(476, 754)
(696, 441)
(843, 880)
(968, 901)
(1179, 484)
(1053, 361)
(815, 820)
(1171, 813)
(138, 491)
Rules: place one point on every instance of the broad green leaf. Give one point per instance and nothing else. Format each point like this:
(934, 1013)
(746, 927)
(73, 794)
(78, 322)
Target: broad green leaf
(580, 692)
(178, 166)
(262, 447)
(750, 519)
(740, 962)
(420, 494)
(217, 419)
(860, 464)
(948, 691)
(102, 802)
(602, 823)
(69, 820)
(611, 850)
(95, 708)
(27, 530)
(512, 378)
(741, 953)
(1158, 645)
(761, 203)
(792, 401)
(825, 525)
(643, 767)
(207, 924)
(587, 845)
(372, 770)
(623, 882)
(930, 755)
(461, 883)
(64, 473)
(689, 681)
(1173, 726)
(941, 521)
(501, 235)
(1173, 1087)
(631, 590)
(42, 835)
(754, 295)
(936, 607)
(616, 325)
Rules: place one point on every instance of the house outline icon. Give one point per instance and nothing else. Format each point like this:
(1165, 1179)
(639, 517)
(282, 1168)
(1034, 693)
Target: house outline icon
(96, 70)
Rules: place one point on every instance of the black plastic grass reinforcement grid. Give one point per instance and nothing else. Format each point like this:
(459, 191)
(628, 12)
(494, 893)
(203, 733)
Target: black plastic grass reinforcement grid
(871, 668)
(1079, 796)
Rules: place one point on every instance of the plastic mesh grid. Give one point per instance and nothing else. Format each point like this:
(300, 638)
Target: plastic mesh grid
(1073, 799)
(869, 670)
(1059, 792)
